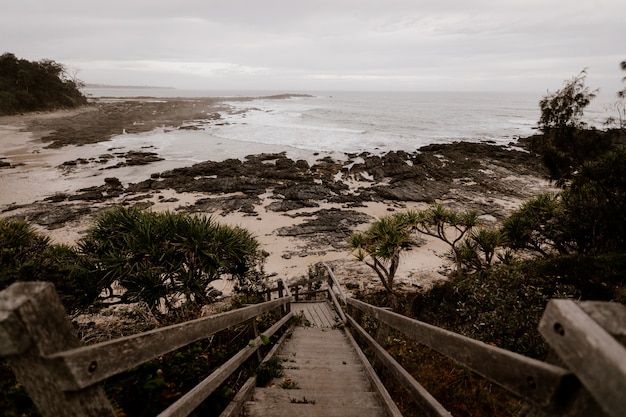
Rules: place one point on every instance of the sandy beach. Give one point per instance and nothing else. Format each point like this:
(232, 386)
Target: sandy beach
(39, 182)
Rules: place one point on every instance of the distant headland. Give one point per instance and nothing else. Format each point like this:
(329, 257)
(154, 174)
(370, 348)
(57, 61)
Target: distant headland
(136, 87)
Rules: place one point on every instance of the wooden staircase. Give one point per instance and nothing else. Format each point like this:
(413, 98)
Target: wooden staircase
(323, 374)
(328, 370)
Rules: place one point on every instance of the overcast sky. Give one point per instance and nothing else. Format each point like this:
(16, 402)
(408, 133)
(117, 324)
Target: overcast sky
(316, 45)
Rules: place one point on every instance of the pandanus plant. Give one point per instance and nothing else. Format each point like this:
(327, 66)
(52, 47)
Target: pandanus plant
(163, 258)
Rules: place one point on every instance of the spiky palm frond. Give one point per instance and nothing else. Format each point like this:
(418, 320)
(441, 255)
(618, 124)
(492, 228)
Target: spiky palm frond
(173, 252)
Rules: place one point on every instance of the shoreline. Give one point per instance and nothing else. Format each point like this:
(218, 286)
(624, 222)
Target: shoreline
(272, 194)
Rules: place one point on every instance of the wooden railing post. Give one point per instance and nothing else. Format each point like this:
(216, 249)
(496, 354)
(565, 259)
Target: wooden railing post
(286, 292)
(588, 337)
(281, 293)
(255, 335)
(34, 326)
(382, 336)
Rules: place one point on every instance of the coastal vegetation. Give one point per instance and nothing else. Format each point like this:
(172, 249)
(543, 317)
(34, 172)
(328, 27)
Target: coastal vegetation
(381, 245)
(164, 260)
(36, 85)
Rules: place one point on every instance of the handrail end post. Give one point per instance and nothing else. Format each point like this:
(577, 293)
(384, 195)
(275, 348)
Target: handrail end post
(32, 311)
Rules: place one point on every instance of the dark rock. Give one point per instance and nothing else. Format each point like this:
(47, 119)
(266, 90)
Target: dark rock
(326, 227)
(89, 195)
(141, 158)
(113, 182)
(289, 205)
(244, 204)
(54, 217)
(412, 191)
(57, 198)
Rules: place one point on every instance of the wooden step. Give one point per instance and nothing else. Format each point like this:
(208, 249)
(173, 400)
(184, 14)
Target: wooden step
(347, 398)
(312, 354)
(322, 368)
(256, 409)
(329, 382)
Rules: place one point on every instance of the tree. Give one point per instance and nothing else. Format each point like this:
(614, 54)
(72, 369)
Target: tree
(164, 258)
(619, 107)
(595, 204)
(479, 249)
(447, 225)
(380, 246)
(622, 93)
(587, 216)
(538, 226)
(566, 142)
(38, 85)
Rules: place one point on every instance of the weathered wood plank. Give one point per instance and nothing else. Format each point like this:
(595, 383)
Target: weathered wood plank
(90, 364)
(535, 381)
(335, 302)
(390, 407)
(318, 313)
(335, 282)
(327, 316)
(188, 402)
(300, 308)
(596, 357)
(235, 406)
(318, 317)
(41, 315)
(610, 316)
(254, 409)
(14, 338)
(427, 402)
(341, 398)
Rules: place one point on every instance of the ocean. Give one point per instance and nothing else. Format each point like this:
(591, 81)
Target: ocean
(353, 122)
(326, 124)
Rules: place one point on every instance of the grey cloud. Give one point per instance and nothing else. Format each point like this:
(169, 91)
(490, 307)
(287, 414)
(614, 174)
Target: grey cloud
(286, 43)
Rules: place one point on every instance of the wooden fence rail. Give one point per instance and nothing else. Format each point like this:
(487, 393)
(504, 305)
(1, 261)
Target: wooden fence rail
(62, 377)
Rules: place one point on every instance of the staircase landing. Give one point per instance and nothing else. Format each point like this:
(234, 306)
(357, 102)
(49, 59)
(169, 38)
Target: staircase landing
(317, 313)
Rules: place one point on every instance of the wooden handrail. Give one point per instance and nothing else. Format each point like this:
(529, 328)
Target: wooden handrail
(335, 282)
(90, 364)
(388, 403)
(286, 288)
(235, 406)
(538, 382)
(188, 402)
(63, 378)
(335, 302)
(428, 403)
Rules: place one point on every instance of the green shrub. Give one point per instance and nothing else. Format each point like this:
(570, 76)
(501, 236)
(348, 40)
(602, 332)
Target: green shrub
(26, 255)
(161, 258)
